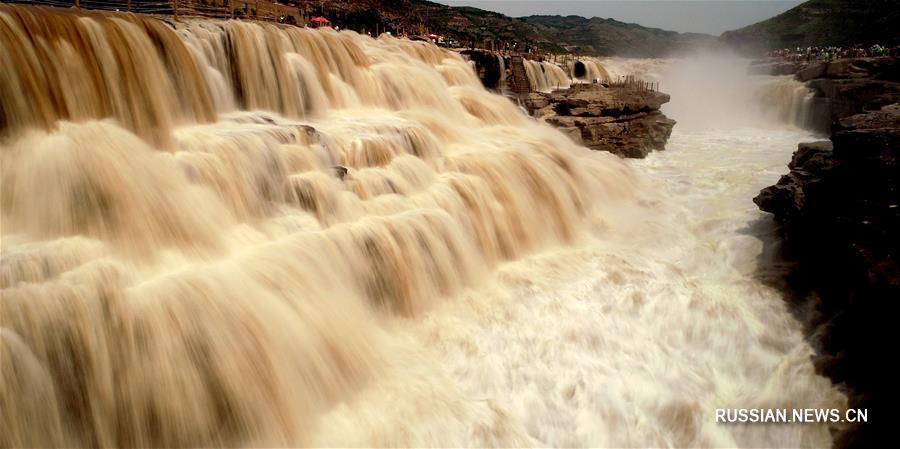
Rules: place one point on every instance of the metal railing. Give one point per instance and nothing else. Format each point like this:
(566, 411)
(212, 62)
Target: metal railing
(633, 83)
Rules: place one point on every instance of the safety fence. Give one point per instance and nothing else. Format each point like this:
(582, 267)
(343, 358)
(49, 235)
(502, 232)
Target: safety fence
(633, 83)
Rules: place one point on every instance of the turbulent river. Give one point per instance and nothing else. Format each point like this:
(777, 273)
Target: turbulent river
(250, 235)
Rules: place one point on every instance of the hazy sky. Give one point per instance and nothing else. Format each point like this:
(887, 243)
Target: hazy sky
(700, 16)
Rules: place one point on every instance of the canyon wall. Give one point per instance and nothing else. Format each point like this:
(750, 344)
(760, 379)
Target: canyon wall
(839, 216)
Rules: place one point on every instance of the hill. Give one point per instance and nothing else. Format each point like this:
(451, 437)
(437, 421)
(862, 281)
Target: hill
(822, 23)
(472, 25)
(610, 37)
(563, 34)
(468, 25)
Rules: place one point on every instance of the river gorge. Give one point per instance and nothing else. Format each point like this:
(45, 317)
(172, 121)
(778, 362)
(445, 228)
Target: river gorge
(230, 233)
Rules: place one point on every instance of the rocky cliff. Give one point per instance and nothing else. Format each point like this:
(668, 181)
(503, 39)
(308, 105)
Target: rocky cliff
(843, 87)
(487, 67)
(622, 121)
(838, 207)
(821, 22)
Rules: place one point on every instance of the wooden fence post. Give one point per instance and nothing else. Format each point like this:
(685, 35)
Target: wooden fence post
(175, 9)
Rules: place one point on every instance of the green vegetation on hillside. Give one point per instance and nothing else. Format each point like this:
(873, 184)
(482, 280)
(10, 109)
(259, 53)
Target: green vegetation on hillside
(822, 23)
(610, 37)
(558, 34)
(473, 26)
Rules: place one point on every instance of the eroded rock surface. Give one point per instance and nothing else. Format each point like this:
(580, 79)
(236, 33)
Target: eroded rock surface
(843, 87)
(838, 207)
(622, 121)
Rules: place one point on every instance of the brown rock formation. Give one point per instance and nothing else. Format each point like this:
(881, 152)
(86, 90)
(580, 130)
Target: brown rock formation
(622, 121)
(840, 213)
(844, 87)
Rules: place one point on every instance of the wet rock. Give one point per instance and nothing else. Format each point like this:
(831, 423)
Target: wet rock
(776, 67)
(846, 97)
(487, 66)
(843, 87)
(340, 171)
(841, 184)
(883, 68)
(622, 121)
(788, 198)
(536, 101)
(838, 207)
(811, 72)
(814, 155)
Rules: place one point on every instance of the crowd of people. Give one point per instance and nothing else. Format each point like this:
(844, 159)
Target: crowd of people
(827, 53)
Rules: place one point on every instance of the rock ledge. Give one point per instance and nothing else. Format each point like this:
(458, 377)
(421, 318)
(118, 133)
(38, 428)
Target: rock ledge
(622, 121)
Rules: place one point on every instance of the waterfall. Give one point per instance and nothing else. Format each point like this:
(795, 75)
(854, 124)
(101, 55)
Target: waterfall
(789, 99)
(207, 223)
(546, 76)
(238, 234)
(501, 84)
(717, 90)
(586, 70)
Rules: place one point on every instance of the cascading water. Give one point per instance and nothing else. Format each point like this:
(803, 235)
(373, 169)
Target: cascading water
(591, 69)
(546, 76)
(732, 98)
(182, 265)
(243, 234)
(789, 98)
(501, 84)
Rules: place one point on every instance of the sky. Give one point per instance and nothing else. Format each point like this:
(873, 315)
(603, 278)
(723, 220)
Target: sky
(698, 16)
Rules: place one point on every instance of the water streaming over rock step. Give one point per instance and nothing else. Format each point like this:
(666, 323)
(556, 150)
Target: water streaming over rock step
(182, 265)
(189, 270)
(546, 76)
(780, 99)
(587, 70)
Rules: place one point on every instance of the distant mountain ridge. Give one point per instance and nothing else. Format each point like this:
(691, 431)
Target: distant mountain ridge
(610, 37)
(571, 34)
(468, 25)
(822, 23)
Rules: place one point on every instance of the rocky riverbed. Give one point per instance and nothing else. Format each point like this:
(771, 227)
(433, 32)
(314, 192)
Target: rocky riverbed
(625, 122)
(839, 216)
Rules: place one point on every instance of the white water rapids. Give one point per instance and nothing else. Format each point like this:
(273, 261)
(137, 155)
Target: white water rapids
(634, 335)
(240, 234)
